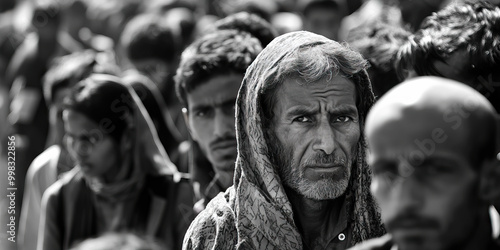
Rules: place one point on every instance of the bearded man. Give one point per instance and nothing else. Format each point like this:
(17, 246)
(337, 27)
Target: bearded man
(301, 180)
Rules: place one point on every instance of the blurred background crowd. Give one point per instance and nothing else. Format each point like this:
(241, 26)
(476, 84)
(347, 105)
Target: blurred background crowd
(44, 41)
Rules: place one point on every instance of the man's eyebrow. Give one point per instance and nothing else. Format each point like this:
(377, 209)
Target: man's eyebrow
(229, 102)
(196, 107)
(299, 110)
(436, 159)
(345, 109)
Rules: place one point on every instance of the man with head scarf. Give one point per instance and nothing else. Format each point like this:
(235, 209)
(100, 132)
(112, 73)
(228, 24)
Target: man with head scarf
(301, 180)
(435, 166)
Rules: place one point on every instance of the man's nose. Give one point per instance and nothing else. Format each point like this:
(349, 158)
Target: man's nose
(325, 138)
(409, 193)
(223, 124)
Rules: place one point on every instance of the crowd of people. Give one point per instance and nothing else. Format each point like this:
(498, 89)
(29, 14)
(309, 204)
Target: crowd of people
(251, 124)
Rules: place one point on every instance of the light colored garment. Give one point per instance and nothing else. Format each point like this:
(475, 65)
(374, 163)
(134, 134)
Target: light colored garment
(41, 174)
(255, 212)
(69, 212)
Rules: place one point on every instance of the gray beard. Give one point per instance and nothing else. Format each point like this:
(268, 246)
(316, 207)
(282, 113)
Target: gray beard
(292, 177)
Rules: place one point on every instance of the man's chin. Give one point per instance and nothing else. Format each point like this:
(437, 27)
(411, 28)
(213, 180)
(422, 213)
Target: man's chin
(324, 189)
(225, 166)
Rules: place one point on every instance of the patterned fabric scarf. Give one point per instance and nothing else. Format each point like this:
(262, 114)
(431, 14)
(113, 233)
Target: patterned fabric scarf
(263, 213)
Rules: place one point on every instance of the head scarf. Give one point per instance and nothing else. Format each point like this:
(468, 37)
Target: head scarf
(146, 156)
(263, 213)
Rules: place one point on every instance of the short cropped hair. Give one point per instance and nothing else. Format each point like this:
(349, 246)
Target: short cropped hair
(68, 70)
(146, 36)
(379, 43)
(251, 23)
(218, 53)
(473, 26)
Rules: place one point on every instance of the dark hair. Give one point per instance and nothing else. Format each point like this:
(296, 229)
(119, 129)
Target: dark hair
(68, 70)
(221, 52)
(148, 36)
(473, 26)
(319, 4)
(105, 100)
(379, 43)
(251, 23)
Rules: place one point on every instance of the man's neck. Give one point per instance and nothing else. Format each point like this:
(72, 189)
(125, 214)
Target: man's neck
(313, 217)
(225, 179)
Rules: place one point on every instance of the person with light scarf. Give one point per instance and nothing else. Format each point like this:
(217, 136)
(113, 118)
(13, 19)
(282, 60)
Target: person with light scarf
(123, 180)
(301, 180)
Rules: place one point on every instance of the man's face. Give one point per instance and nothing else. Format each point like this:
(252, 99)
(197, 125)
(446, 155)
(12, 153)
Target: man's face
(91, 149)
(211, 117)
(325, 22)
(317, 127)
(155, 69)
(423, 180)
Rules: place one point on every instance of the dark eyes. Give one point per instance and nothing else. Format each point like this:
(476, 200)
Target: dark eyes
(302, 119)
(201, 113)
(307, 119)
(343, 119)
(228, 109)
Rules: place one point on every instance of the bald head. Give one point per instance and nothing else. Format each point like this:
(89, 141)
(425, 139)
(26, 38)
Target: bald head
(429, 138)
(432, 113)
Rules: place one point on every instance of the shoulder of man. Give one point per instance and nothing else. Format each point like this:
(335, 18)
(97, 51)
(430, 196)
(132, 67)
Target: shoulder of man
(214, 227)
(382, 243)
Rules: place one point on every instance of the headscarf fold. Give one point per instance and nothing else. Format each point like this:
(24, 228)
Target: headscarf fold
(146, 156)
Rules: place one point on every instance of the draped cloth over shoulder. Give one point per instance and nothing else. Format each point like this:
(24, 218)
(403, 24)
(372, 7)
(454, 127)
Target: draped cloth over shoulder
(147, 156)
(149, 143)
(257, 204)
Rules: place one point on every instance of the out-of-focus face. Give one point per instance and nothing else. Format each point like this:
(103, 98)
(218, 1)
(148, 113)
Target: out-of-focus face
(211, 117)
(317, 126)
(155, 69)
(325, 22)
(424, 179)
(94, 152)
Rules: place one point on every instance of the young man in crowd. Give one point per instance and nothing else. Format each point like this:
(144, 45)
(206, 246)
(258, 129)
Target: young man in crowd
(66, 72)
(207, 83)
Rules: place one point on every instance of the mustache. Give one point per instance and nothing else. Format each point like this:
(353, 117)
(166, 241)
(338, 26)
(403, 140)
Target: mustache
(407, 220)
(322, 159)
(222, 139)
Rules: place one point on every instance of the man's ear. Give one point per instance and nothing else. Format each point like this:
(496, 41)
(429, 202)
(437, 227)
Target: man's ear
(489, 182)
(185, 114)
